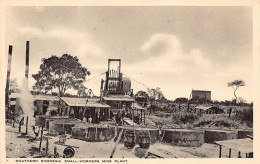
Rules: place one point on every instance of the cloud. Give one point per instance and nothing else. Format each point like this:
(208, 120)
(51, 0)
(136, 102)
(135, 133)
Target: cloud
(83, 41)
(57, 41)
(79, 43)
(164, 53)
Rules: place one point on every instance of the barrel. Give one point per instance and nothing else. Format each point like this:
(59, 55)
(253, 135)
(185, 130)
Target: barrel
(129, 139)
(144, 139)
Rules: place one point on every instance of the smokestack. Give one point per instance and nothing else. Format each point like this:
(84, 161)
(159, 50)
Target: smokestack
(27, 59)
(8, 76)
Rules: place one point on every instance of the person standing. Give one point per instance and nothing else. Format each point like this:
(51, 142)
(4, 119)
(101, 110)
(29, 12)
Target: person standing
(90, 120)
(84, 119)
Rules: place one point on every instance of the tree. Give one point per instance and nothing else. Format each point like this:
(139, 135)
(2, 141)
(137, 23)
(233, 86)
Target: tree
(82, 91)
(142, 94)
(155, 94)
(235, 85)
(241, 100)
(60, 73)
(142, 97)
(181, 100)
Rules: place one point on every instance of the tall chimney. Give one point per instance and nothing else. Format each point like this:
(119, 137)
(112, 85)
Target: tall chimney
(27, 59)
(8, 76)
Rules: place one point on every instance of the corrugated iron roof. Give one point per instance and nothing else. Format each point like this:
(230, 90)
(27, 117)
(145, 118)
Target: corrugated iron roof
(81, 102)
(244, 145)
(118, 98)
(204, 107)
(46, 97)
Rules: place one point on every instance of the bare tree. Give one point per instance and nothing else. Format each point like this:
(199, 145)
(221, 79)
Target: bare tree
(235, 85)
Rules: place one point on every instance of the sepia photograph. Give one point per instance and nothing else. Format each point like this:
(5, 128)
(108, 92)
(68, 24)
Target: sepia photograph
(123, 82)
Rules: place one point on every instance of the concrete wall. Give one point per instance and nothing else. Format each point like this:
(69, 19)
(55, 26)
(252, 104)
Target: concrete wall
(183, 137)
(47, 120)
(243, 133)
(154, 133)
(93, 134)
(58, 127)
(219, 135)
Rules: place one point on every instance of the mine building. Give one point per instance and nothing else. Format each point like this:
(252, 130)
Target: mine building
(42, 103)
(201, 95)
(116, 91)
(84, 107)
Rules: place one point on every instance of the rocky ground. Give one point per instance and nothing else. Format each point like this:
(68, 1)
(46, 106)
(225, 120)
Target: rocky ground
(27, 147)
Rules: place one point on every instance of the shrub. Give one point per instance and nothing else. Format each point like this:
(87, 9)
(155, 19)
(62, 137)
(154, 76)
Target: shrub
(184, 117)
(246, 116)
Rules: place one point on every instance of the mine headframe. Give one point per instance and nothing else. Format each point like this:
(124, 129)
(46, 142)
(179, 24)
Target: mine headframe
(113, 82)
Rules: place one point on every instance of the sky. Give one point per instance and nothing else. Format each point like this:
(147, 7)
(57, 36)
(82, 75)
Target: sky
(176, 48)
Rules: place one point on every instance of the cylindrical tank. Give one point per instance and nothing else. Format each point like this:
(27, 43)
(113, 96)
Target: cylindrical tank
(126, 84)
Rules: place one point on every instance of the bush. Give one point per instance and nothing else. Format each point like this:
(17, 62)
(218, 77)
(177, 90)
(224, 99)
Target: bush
(184, 117)
(246, 116)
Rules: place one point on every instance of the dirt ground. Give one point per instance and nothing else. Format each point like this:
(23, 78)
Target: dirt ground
(22, 147)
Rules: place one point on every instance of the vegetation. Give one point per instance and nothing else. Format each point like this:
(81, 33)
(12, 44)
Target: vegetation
(171, 116)
(142, 94)
(235, 85)
(60, 73)
(181, 100)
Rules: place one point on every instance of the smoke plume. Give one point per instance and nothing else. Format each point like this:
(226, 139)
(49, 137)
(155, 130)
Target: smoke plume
(26, 102)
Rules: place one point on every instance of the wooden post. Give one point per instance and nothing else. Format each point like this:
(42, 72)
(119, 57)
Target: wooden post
(63, 129)
(239, 154)
(47, 146)
(118, 139)
(26, 132)
(133, 118)
(20, 124)
(229, 155)
(141, 115)
(144, 117)
(96, 134)
(41, 139)
(220, 149)
(162, 136)
(13, 118)
(56, 155)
